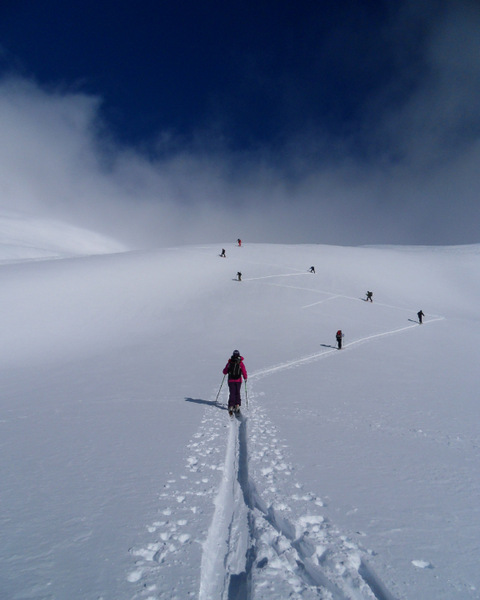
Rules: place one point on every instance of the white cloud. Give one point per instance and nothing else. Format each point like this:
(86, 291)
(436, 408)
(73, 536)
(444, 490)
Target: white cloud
(417, 181)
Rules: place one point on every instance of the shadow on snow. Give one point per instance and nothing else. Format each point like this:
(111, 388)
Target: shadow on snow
(207, 402)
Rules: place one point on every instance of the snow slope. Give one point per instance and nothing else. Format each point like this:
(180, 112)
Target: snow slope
(352, 474)
(27, 238)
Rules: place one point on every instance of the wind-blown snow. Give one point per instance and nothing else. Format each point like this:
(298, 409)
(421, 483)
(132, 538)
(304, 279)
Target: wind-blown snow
(352, 474)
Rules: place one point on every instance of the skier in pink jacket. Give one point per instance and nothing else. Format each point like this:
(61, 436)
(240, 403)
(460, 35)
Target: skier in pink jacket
(235, 369)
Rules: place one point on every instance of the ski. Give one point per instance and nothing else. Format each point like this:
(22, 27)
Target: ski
(234, 413)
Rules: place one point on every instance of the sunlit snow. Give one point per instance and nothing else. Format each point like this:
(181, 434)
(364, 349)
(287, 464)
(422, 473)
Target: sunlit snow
(352, 474)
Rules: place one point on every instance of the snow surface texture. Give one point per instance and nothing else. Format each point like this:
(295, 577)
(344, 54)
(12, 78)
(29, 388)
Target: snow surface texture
(352, 474)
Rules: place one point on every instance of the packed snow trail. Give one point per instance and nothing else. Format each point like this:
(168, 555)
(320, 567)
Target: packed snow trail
(255, 550)
(262, 543)
(225, 550)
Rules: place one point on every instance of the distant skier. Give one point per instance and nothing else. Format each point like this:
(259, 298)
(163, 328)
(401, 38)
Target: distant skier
(239, 276)
(339, 337)
(369, 296)
(223, 255)
(239, 242)
(312, 269)
(235, 368)
(420, 316)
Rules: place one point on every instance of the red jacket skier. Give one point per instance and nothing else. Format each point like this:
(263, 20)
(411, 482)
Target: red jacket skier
(235, 368)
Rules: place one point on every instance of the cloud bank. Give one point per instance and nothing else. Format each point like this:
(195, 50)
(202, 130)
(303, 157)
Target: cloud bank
(407, 174)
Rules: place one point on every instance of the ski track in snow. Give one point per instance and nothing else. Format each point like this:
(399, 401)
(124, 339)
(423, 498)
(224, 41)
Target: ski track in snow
(267, 536)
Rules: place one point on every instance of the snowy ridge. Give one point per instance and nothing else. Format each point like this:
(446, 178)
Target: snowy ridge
(35, 238)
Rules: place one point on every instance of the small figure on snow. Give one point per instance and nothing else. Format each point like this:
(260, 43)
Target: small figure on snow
(339, 337)
(420, 316)
(312, 269)
(239, 276)
(223, 255)
(235, 368)
(369, 296)
(239, 242)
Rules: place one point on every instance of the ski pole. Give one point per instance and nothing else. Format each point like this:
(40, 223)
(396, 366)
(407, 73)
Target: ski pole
(246, 393)
(220, 389)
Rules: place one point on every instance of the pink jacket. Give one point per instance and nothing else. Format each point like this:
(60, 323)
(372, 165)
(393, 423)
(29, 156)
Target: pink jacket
(242, 368)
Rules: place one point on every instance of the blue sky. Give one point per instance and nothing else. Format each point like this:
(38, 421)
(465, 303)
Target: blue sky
(254, 72)
(358, 107)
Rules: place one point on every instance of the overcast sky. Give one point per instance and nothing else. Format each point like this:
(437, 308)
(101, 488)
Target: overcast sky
(350, 122)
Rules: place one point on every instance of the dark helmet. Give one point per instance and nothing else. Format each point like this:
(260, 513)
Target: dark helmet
(236, 353)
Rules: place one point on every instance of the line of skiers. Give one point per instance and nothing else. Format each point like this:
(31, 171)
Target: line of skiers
(235, 367)
(369, 294)
(239, 275)
(236, 370)
(223, 254)
(339, 335)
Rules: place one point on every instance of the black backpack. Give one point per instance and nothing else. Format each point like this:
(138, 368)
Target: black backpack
(234, 370)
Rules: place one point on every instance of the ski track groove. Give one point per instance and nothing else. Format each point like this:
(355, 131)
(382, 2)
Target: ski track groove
(253, 520)
(251, 541)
